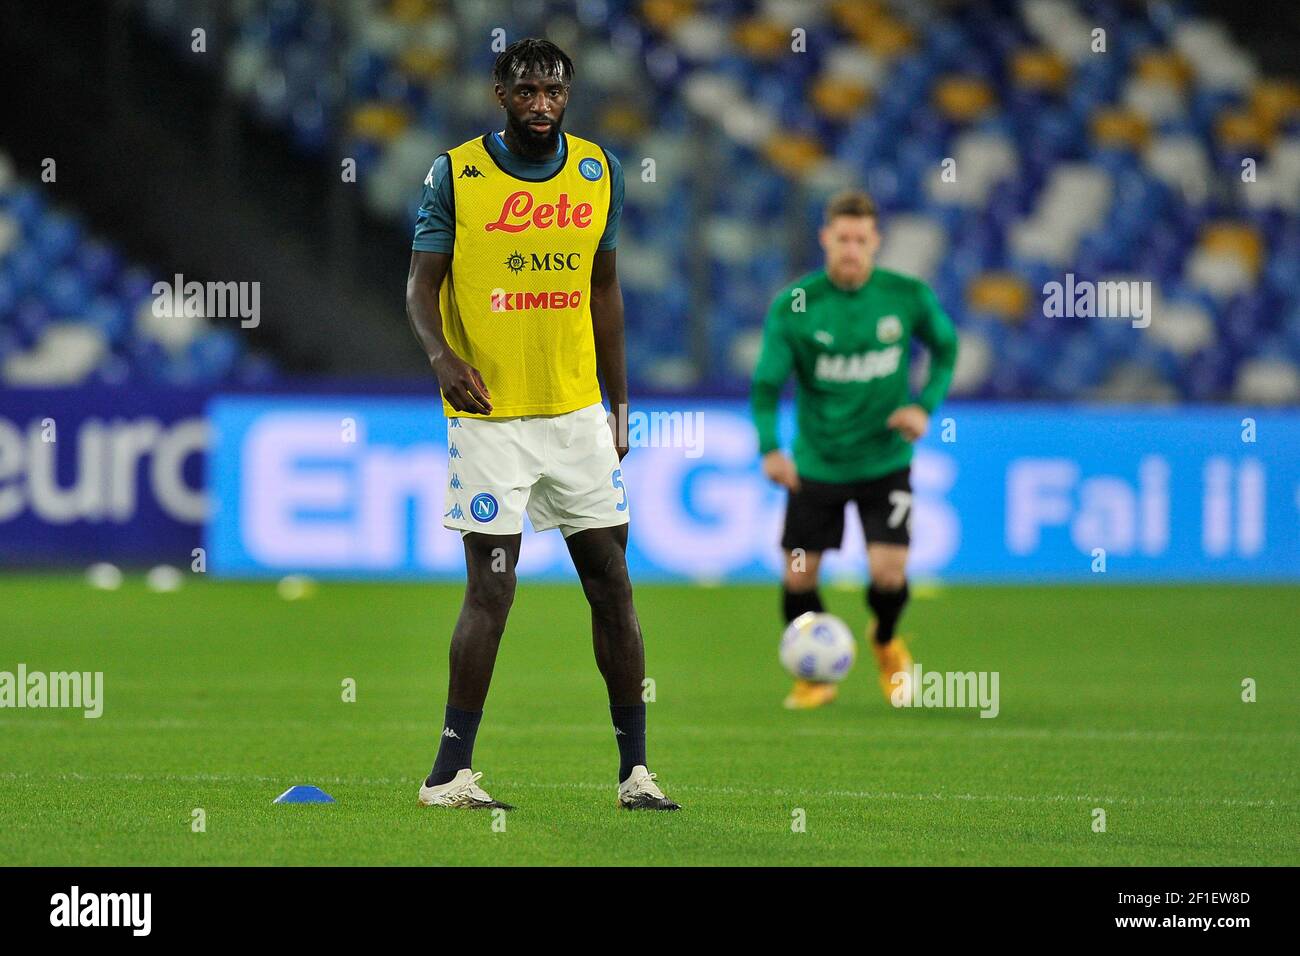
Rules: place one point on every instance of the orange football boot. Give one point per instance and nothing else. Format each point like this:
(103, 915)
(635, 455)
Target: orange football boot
(891, 658)
(808, 694)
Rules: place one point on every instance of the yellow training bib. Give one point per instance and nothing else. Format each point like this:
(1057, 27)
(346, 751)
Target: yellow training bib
(516, 300)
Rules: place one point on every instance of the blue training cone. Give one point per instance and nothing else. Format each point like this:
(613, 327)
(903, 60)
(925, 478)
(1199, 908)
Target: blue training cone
(304, 794)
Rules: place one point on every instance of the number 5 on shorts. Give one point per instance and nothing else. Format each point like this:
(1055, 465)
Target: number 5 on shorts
(616, 479)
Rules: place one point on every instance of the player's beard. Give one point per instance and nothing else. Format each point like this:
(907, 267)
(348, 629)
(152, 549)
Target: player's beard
(534, 145)
(849, 276)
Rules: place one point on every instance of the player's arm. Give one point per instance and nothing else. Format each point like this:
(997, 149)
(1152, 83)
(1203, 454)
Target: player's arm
(461, 384)
(607, 311)
(607, 329)
(935, 329)
(775, 363)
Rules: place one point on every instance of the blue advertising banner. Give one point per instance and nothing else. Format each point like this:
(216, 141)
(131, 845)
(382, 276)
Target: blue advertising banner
(101, 474)
(354, 487)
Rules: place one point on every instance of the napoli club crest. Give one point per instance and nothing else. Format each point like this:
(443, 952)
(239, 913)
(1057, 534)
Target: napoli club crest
(483, 507)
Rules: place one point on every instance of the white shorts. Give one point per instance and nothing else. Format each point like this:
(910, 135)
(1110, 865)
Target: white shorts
(562, 469)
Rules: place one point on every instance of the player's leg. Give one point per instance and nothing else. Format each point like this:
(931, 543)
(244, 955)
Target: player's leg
(887, 593)
(600, 557)
(491, 465)
(800, 582)
(490, 561)
(800, 595)
(814, 522)
(582, 493)
(885, 507)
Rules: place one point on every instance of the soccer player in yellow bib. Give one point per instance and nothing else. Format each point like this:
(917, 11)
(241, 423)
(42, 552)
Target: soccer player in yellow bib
(513, 294)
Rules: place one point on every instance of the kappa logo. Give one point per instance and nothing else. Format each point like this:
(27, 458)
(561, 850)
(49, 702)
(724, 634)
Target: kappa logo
(889, 329)
(448, 732)
(471, 171)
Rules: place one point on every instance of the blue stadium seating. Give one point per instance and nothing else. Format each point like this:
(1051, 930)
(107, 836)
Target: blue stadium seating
(61, 284)
(1159, 124)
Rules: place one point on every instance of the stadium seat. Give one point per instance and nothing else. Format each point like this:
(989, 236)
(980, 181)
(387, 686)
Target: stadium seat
(1066, 161)
(73, 310)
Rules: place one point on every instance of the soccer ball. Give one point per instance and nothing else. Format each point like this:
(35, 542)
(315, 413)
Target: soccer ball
(818, 647)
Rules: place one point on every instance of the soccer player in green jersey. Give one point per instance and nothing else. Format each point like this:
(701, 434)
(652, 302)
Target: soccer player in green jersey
(845, 332)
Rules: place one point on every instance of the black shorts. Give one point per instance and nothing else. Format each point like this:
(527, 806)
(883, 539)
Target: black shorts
(814, 515)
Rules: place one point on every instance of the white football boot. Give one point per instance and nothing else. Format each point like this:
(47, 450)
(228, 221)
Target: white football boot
(462, 792)
(639, 792)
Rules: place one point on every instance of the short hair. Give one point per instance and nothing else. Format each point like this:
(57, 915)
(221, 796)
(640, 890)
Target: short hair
(532, 55)
(850, 202)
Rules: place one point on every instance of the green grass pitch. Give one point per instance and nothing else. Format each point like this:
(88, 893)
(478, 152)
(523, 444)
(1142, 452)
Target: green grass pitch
(222, 695)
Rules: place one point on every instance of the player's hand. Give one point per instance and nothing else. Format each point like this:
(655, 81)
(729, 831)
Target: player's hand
(912, 421)
(618, 429)
(462, 385)
(780, 469)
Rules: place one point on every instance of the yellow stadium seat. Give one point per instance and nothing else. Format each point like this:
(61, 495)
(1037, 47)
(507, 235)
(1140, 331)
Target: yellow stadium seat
(378, 121)
(622, 121)
(411, 11)
(663, 15)
(1002, 294)
(837, 99)
(890, 39)
(421, 63)
(793, 155)
(1234, 238)
(859, 16)
(1120, 127)
(763, 39)
(1039, 70)
(1163, 66)
(1240, 129)
(962, 98)
(1273, 102)
(874, 27)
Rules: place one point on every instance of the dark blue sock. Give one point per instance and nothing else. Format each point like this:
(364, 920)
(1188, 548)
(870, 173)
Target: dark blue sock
(629, 734)
(456, 752)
